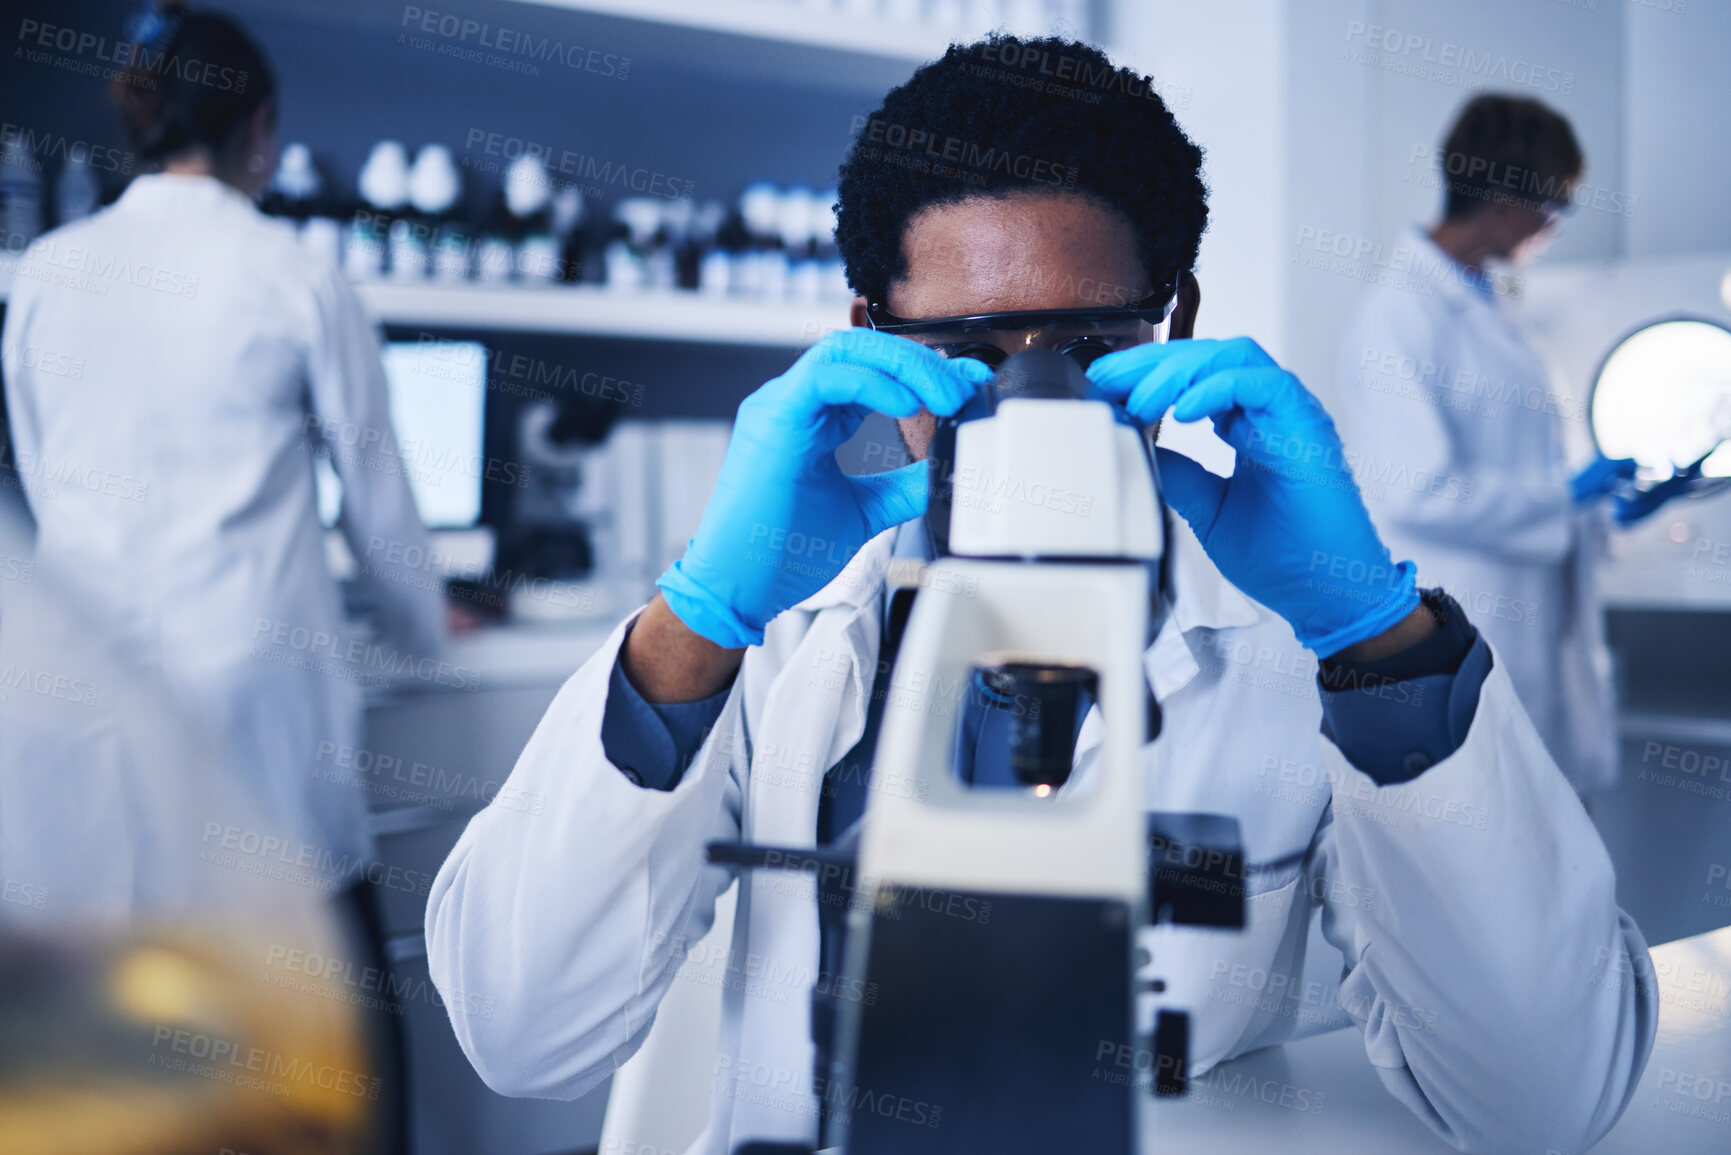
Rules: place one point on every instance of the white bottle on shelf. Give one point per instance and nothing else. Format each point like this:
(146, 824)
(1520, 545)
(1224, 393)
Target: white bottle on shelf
(299, 190)
(411, 254)
(495, 260)
(566, 212)
(528, 191)
(20, 196)
(772, 274)
(796, 220)
(762, 270)
(794, 212)
(652, 257)
(435, 185)
(832, 280)
(805, 282)
(451, 252)
(324, 236)
(760, 207)
(384, 178)
(384, 186)
(76, 193)
(538, 258)
(434, 182)
(715, 273)
(297, 177)
(624, 268)
(364, 249)
(835, 286)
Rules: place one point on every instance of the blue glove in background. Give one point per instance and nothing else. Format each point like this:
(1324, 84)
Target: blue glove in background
(1600, 477)
(784, 519)
(1640, 504)
(1288, 527)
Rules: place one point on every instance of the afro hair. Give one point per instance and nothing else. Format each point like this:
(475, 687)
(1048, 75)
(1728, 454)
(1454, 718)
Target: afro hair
(1007, 115)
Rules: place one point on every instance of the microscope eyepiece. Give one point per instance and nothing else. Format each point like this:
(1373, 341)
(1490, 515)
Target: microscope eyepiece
(1043, 374)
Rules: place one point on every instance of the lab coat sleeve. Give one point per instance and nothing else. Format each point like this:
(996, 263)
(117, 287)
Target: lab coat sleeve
(14, 340)
(1404, 447)
(653, 742)
(1395, 726)
(1475, 908)
(564, 912)
(351, 415)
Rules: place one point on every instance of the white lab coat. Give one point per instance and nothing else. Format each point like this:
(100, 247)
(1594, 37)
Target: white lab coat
(163, 361)
(1454, 426)
(1474, 907)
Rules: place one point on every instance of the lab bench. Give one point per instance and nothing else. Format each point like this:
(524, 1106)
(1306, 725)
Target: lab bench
(1321, 1096)
(432, 757)
(435, 753)
(1665, 821)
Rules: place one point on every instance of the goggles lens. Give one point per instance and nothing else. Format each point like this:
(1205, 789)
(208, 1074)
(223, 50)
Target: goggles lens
(1084, 335)
(1081, 347)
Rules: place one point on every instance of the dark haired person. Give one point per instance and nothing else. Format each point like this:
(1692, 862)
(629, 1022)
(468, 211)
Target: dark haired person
(1441, 383)
(171, 482)
(1457, 879)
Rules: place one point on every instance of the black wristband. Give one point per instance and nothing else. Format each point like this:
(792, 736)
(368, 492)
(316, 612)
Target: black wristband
(1441, 653)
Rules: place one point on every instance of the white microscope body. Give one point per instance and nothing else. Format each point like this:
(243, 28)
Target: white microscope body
(993, 924)
(996, 927)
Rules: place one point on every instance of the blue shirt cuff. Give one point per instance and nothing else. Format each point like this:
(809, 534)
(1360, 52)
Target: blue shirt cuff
(1393, 723)
(652, 743)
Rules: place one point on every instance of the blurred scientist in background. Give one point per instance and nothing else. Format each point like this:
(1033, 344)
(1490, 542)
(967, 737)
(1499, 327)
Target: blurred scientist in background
(1443, 390)
(178, 546)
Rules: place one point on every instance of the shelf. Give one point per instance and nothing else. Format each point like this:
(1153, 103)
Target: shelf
(1676, 728)
(788, 22)
(588, 311)
(596, 312)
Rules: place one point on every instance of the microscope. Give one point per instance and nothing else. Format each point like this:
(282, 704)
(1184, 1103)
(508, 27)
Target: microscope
(1002, 929)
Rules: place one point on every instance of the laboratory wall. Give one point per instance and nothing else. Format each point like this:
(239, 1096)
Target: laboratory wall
(1678, 101)
(1227, 93)
(1373, 89)
(1322, 120)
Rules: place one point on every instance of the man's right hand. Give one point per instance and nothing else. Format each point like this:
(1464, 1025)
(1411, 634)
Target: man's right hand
(784, 519)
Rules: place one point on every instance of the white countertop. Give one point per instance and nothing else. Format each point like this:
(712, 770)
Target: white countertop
(502, 656)
(1335, 1104)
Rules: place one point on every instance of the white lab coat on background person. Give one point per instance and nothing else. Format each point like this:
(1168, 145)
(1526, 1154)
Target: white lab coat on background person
(1476, 940)
(1455, 428)
(169, 364)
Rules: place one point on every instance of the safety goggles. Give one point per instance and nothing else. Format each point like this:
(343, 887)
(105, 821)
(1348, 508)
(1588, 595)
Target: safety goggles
(1555, 211)
(1083, 335)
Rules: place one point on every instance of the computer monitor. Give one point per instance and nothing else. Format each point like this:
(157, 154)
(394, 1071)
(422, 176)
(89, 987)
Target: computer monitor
(438, 393)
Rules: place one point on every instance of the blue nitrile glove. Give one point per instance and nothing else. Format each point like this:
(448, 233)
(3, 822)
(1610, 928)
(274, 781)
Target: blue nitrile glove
(1640, 504)
(1288, 527)
(1599, 478)
(784, 519)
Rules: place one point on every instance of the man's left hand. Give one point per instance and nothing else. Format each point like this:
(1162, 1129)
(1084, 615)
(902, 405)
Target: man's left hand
(1288, 527)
